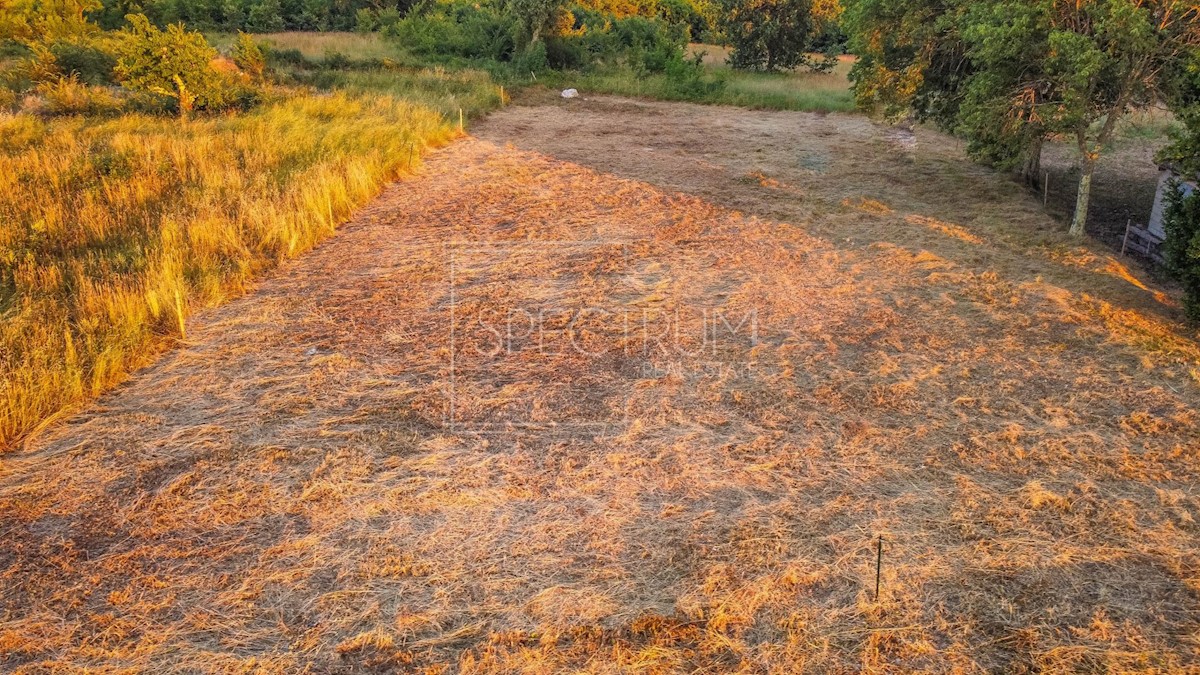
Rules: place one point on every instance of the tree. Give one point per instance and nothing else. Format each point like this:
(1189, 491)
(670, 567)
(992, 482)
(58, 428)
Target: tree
(1096, 61)
(535, 16)
(233, 15)
(770, 35)
(265, 16)
(174, 63)
(1006, 74)
(911, 58)
(1000, 100)
(45, 21)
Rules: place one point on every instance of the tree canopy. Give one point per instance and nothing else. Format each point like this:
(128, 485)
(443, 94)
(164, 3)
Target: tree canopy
(1006, 74)
(771, 35)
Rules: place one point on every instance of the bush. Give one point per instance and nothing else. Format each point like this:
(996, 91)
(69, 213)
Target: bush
(335, 60)
(365, 21)
(1182, 247)
(90, 61)
(532, 59)
(265, 16)
(387, 18)
(176, 63)
(69, 96)
(249, 57)
(645, 45)
(686, 79)
(288, 57)
(41, 65)
(459, 30)
(576, 40)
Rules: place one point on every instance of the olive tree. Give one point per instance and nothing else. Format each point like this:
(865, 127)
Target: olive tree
(1006, 74)
(535, 16)
(770, 35)
(1091, 63)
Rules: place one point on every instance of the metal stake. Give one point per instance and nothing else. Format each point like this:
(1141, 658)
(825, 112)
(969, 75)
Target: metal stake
(878, 566)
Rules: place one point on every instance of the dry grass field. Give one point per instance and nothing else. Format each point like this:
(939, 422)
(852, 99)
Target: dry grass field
(621, 386)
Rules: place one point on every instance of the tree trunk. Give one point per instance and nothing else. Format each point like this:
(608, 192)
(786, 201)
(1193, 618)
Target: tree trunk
(187, 100)
(1031, 170)
(1083, 198)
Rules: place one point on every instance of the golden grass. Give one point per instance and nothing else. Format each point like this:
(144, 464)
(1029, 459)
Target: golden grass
(317, 45)
(115, 230)
(287, 493)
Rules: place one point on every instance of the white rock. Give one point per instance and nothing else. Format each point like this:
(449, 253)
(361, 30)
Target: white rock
(569, 93)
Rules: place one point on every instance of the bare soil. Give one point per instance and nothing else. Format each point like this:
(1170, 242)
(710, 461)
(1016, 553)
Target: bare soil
(619, 386)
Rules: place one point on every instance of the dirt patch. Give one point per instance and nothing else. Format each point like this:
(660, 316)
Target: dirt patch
(527, 415)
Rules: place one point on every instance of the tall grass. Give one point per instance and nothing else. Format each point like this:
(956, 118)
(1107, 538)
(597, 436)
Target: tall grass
(114, 230)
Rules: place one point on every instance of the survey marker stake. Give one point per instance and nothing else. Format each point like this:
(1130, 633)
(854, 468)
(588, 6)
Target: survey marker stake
(878, 566)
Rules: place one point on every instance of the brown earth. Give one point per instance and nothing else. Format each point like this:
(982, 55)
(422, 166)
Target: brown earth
(640, 392)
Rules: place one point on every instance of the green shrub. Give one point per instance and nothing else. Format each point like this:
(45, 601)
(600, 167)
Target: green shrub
(89, 56)
(532, 59)
(41, 65)
(335, 60)
(288, 57)
(249, 57)
(91, 61)
(387, 17)
(176, 63)
(646, 45)
(365, 21)
(265, 16)
(459, 30)
(1182, 247)
(686, 78)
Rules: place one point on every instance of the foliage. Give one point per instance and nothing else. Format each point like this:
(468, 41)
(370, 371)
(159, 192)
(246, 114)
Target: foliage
(686, 79)
(1181, 220)
(174, 63)
(699, 17)
(366, 21)
(1008, 73)
(459, 30)
(534, 16)
(579, 39)
(69, 96)
(265, 16)
(770, 35)
(911, 59)
(249, 56)
(269, 16)
(59, 41)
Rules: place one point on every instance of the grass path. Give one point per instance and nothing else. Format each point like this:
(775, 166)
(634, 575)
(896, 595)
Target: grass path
(522, 415)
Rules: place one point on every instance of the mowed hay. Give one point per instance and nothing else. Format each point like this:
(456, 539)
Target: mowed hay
(362, 467)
